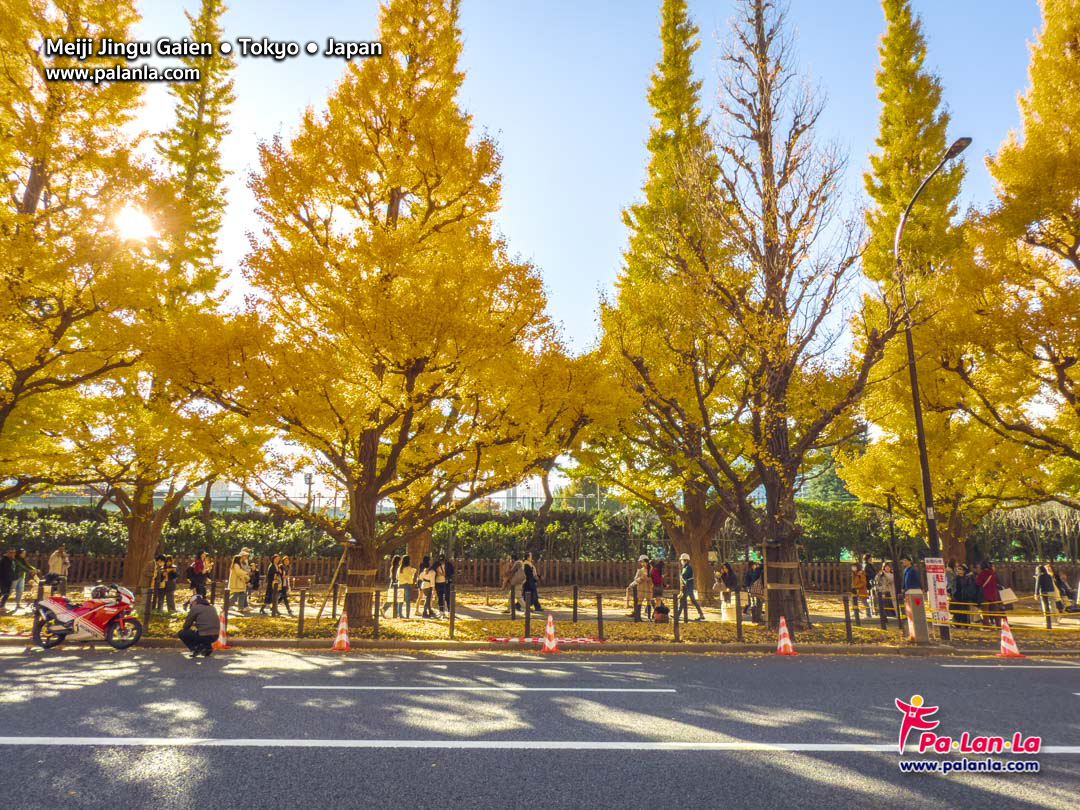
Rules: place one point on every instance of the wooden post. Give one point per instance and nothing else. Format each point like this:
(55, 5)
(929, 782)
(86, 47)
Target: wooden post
(333, 610)
(300, 620)
(40, 589)
(528, 618)
(881, 611)
(1049, 624)
(575, 604)
(395, 611)
(374, 617)
(857, 622)
(213, 589)
(513, 603)
(675, 626)
(738, 614)
(637, 606)
(149, 608)
(274, 595)
(452, 597)
(600, 616)
(847, 620)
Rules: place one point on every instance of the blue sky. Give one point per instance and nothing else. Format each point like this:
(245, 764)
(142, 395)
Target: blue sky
(561, 85)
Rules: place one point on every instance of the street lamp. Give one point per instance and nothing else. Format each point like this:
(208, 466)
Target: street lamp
(958, 146)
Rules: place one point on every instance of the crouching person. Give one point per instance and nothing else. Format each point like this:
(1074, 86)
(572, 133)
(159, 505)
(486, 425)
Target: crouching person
(201, 627)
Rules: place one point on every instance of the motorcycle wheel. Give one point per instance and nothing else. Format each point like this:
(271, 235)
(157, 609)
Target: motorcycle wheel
(44, 636)
(122, 638)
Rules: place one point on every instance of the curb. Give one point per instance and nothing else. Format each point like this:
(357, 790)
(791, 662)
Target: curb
(489, 647)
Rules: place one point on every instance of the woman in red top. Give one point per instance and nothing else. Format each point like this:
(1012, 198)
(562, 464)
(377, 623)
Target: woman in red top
(656, 574)
(987, 581)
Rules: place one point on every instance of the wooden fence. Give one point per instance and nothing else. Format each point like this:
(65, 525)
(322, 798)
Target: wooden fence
(826, 577)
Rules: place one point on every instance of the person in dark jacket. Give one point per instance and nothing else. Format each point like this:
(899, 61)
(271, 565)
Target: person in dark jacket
(7, 577)
(686, 591)
(529, 589)
(966, 596)
(270, 597)
(1045, 591)
(201, 627)
(911, 580)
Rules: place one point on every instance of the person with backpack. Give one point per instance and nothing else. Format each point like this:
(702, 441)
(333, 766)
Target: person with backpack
(199, 572)
(686, 591)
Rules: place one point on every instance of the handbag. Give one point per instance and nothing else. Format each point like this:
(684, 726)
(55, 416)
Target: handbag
(1008, 596)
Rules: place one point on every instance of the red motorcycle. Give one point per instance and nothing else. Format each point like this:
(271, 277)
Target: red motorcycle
(105, 616)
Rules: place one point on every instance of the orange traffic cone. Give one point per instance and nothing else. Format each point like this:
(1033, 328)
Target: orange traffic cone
(341, 643)
(550, 644)
(222, 642)
(783, 645)
(1008, 643)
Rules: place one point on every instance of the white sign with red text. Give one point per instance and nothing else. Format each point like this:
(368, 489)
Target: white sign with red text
(935, 584)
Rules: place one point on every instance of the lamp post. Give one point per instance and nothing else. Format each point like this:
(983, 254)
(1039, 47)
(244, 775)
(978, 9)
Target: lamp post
(957, 147)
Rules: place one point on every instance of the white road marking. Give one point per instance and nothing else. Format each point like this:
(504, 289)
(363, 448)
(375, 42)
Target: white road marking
(1010, 666)
(482, 745)
(473, 688)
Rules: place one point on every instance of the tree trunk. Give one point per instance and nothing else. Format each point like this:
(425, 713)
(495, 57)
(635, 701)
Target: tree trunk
(361, 562)
(419, 546)
(543, 516)
(142, 546)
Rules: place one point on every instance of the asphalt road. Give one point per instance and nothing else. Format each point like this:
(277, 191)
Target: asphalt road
(154, 729)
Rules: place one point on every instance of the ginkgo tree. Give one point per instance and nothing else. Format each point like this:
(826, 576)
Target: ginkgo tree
(137, 431)
(68, 280)
(665, 370)
(391, 340)
(1016, 365)
(972, 470)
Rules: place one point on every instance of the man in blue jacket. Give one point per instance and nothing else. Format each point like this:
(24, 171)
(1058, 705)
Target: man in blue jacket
(911, 580)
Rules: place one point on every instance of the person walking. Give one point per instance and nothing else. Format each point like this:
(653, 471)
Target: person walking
(529, 588)
(1065, 593)
(407, 581)
(513, 579)
(639, 588)
(273, 581)
(24, 572)
(201, 627)
(441, 589)
(992, 606)
(1045, 590)
(391, 601)
(859, 588)
(7, 577)
(686, 590)
(285, 583)
(239, 574)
